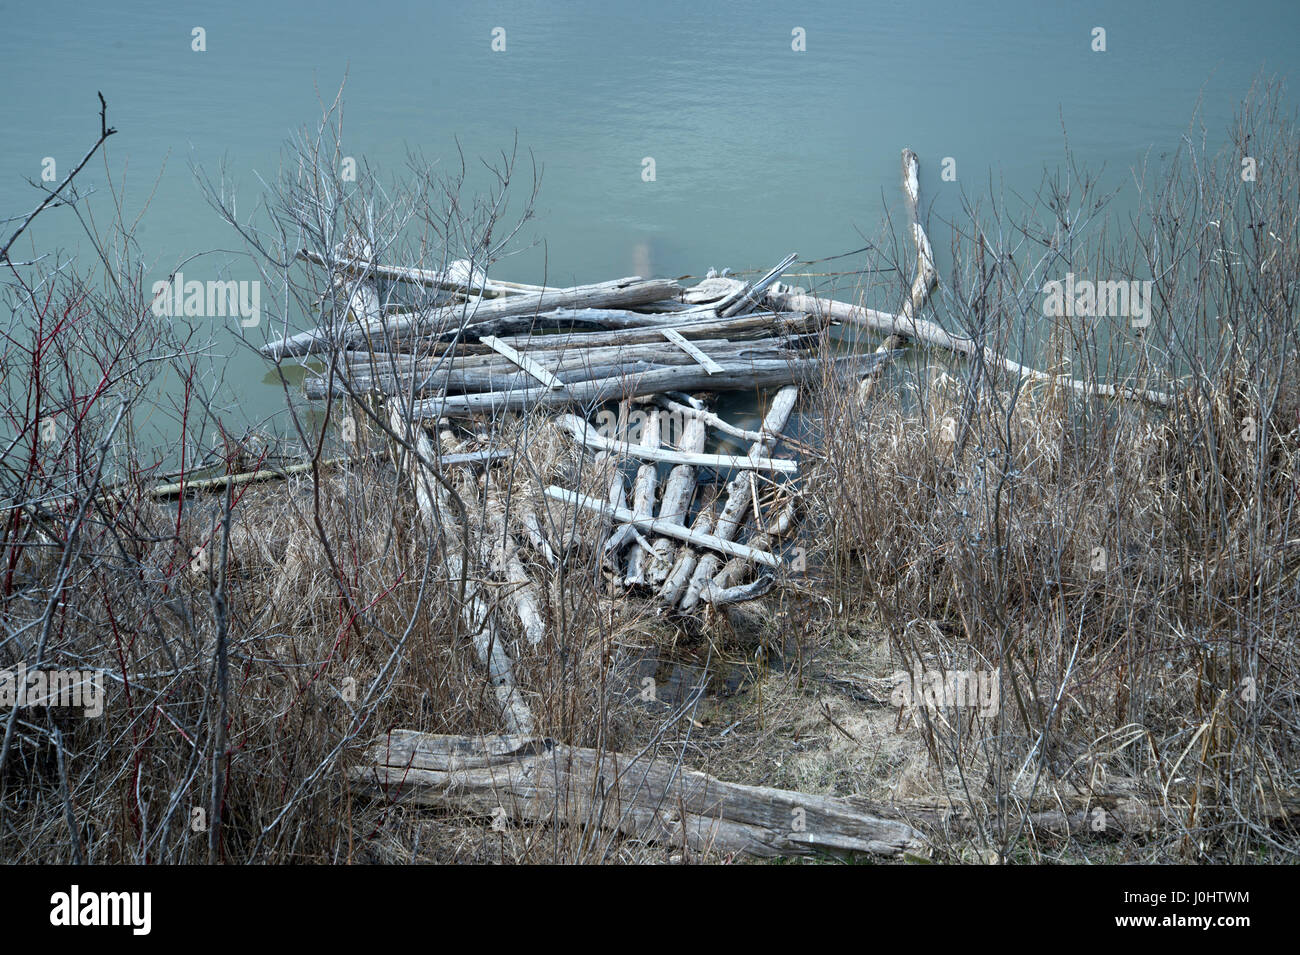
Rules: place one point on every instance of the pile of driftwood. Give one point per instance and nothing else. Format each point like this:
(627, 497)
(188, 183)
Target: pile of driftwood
(480, 350)
(497, 348)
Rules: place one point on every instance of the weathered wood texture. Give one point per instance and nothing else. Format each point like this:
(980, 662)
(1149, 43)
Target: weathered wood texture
(740, 493)
(585, 433)
(643, 496)
(743, 377)
(619, 293)
(931, 333)
(675, 503)
(750, 295)
(457, 276)
(626, 515)
(656, 800)
(687, 558)
(926, 274)
(553, 368)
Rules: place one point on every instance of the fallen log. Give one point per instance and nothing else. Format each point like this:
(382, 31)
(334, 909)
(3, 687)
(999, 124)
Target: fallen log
(565, 319)
(585, 432)
(539, 781)
(559, 352)
(740, 493)
(456, 278)
(679, 489)
(692, 327)
(457, 374)
(643, 497)
(687, 559)
(718, 596)
(713, 289)
(926, 274)
(505, 561)
(363, 310)
(616, 496)
(523, 361)
(743, 299)
(436, 511)
(765, 538)
(591, 329)
(533, 529)
(706, 417)
(931, 333)
(669, 528)
(452, 320)
(754, 375)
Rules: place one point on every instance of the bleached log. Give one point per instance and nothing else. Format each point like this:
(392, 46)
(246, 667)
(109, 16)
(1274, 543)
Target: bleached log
(668, 528)
(616, 294)
(577, 320)
(739, 492)
(585, 432)
(693, 327)
(533, 530)
(676, 499)
(754, 375)
(643, 497)
(523, 361)
(616, 496)
(718, 288)
(687, 559)
(435, 509)
(457, 276)
(765, 538)
(643, 796)
(704, 361)
(388, 374)
(505, 559)
(522, 326)
(931, 333)
(559, 353)
(711, 593)
(362, 309)
(703, 415)
(751, 295)
(927, 276)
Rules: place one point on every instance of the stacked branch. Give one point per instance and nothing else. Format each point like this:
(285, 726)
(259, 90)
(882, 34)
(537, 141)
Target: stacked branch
(740, 494)
(452, 320)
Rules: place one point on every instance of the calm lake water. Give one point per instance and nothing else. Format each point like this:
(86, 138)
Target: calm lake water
(759, 150)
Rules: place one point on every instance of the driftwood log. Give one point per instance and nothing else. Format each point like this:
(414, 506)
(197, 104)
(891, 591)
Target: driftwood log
(926, 274)
(745, 376)
(643, 498)
(740, 494)
(549, 367)
(618, 293)
(657, 525)
(585, 433)
(436, 510)
(458, 276)
(930, 333)
(675, 503)
(687, 558)
(654, 800)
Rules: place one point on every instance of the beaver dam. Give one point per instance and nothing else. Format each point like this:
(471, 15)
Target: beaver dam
(620, 379)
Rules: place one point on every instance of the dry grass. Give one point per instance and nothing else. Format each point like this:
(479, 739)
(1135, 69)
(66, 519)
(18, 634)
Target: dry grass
(1131, 573)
